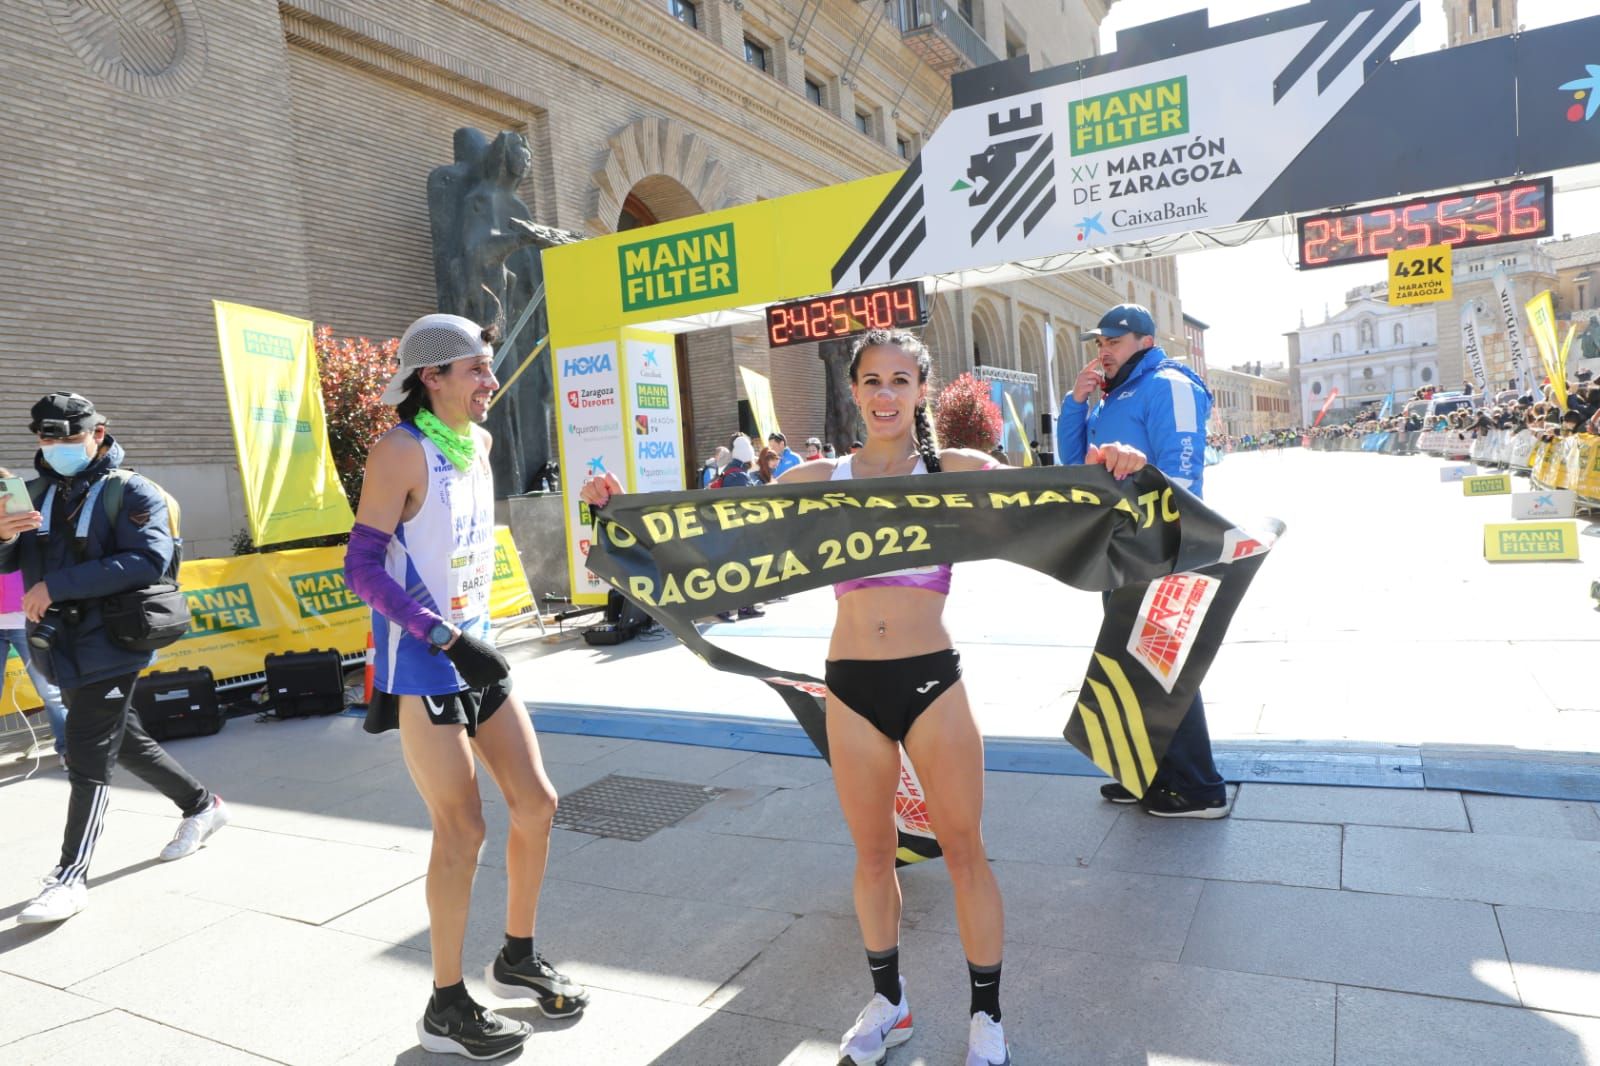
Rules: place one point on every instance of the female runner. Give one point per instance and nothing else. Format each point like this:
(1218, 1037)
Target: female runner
(893, 678)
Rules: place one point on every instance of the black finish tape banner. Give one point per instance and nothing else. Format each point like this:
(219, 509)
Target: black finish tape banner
(1175, 569)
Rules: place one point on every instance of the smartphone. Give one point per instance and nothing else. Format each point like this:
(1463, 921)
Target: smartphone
(15, 494)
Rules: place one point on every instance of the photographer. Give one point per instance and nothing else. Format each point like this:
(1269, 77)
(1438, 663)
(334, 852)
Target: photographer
(72, 556)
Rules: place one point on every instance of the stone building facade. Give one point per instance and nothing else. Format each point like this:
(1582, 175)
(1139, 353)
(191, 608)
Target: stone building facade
(275, 153)
(1367, 350)
(1244, 401)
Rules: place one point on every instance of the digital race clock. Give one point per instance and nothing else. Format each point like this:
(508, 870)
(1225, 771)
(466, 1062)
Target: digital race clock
(1487, 215)
(823, 318)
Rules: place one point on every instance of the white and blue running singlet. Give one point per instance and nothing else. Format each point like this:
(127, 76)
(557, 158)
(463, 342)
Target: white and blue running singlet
(444, 558)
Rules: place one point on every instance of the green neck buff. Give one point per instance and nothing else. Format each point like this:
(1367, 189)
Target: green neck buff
(456, 447)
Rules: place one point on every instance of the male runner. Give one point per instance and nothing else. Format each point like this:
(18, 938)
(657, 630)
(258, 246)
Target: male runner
(422, 556)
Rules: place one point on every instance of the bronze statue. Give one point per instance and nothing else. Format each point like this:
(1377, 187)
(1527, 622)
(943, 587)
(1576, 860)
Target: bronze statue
(486, 267)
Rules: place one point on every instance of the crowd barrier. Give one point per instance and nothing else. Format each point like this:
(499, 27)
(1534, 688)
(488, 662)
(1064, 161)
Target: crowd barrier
(1570, 463)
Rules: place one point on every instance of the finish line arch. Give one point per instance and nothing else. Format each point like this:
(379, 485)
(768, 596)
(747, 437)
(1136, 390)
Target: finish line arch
(1187, 137)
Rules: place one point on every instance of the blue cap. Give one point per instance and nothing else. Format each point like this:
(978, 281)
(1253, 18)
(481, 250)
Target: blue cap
(1124, 318)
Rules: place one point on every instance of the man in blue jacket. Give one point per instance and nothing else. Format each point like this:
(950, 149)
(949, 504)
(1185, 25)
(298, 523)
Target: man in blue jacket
(73, 555)
(1159, 406)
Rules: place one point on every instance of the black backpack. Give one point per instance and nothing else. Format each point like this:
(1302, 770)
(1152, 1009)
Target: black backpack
(144, 619)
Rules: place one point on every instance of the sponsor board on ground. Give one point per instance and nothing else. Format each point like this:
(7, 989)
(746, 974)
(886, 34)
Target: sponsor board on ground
(1457, 473)
(1530, 541)
(1556, 503)
(1493, 485)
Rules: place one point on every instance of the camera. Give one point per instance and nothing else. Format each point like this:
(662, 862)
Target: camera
(57, 615)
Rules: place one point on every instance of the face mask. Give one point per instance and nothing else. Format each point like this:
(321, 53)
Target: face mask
(68, 459)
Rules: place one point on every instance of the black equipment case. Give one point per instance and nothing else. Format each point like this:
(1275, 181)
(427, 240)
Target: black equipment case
(301, 683)
(178, 703)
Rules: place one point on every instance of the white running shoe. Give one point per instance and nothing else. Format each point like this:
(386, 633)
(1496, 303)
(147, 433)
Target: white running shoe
(195, 829)
(881, 1026)
(986, 1042)
(58, 902)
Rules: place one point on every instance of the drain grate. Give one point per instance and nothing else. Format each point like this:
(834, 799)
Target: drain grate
(631, 808)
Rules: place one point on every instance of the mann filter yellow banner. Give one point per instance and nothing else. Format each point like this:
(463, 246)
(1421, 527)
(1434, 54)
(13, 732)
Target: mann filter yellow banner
(509, 595)
(291, 489)
(244, 608)
(1421, 275)
(1494, 485)
(740, 257)
(1520, 542)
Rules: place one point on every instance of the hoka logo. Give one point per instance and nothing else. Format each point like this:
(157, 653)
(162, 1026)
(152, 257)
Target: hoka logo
(586, 364)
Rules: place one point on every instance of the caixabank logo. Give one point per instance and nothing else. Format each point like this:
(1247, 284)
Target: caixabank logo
(220, 609)
(583, 399)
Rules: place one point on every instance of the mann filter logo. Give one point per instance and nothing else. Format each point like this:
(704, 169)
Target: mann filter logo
(1530, 541)
(322, 592)
(1131, 116)
(270, 345)
(502, 563)
(684, 266)
(223, 609)
(1171, 614)
(654, 397)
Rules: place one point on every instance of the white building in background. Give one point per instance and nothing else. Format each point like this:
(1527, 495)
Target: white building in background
(1368, 350)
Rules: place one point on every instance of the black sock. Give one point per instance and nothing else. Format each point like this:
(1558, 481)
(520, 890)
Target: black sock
(444, 997)
(885, 967)
(517, 948)
(985, 989)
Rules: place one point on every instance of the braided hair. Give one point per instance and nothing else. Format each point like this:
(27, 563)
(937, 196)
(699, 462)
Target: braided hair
(910, 344)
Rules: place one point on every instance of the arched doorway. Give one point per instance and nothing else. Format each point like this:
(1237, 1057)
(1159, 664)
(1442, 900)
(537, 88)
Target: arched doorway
(943, 341)
(988, 335)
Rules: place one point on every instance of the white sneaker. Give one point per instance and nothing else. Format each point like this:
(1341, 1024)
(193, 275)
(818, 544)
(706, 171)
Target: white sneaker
(194, 830)
(881, 1026)
(56, 903)
(986, 1042)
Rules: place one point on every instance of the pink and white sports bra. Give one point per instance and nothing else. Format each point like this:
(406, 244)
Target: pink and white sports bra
(930, 578)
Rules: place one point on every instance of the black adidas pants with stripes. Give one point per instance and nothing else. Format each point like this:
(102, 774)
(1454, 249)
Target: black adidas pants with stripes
(103, 728)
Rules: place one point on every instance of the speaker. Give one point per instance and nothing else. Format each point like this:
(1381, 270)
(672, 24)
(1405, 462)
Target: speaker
(1046, 432)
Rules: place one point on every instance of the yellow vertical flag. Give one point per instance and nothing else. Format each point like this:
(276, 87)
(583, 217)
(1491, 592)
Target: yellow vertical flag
(1542, 319)
(758, 390)
(269, 367)
(1016, 419)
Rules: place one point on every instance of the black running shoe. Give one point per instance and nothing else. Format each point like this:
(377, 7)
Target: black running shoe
(471, 1030)
(1115, 793)
(557, 995)
(1165, 803)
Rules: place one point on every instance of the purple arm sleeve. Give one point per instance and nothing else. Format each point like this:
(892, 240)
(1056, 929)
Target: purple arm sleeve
(365, 576)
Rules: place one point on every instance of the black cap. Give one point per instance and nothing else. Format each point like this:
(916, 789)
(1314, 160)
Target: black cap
(61, 415)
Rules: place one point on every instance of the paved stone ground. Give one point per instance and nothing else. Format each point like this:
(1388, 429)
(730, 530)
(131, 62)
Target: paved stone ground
(1317, 926)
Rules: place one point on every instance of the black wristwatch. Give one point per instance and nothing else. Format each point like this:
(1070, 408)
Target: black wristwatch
(439, 636)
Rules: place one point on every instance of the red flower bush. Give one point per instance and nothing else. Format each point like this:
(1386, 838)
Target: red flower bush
(966, 416)
(354, 373)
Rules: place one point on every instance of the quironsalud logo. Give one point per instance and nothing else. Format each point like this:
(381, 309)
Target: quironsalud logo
(1584, 89)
